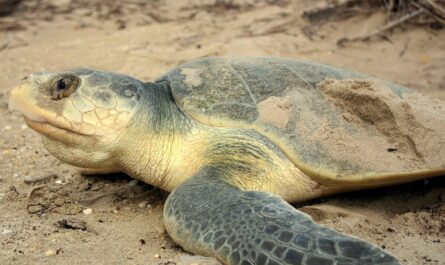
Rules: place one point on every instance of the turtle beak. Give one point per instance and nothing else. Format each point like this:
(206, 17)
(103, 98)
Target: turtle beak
(22, 99)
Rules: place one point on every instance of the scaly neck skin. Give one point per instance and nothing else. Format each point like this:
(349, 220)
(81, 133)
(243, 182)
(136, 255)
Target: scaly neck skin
(162, 146)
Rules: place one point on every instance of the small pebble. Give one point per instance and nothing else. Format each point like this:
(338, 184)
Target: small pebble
(142, 204)
(58, 251)
(72, 223)
(132, 183)
(87, 211)
(34, 179)
(50, 253)
(36, 208)
(157, 256)
(61, 182)
(6, 231)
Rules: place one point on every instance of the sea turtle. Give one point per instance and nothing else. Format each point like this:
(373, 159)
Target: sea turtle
(233, 139)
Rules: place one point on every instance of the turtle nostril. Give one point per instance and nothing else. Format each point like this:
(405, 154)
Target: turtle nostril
(24, 78)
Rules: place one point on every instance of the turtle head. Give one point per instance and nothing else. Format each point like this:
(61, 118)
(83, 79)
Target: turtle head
(80, 113)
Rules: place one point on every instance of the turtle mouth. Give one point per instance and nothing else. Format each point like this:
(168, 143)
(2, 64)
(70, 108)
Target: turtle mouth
(43, 121)
(53, 131)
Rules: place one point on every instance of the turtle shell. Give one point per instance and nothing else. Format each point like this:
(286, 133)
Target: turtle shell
(336, 125)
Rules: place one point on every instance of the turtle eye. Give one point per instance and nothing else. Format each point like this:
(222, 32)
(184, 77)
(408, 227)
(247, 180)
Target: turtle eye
(63, 87)
(61, 84)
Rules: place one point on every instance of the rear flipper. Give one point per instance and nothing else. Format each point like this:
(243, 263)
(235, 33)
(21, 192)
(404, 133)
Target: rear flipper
(208, 216)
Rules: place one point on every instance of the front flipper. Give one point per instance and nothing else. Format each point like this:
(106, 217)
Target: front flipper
(209, 216)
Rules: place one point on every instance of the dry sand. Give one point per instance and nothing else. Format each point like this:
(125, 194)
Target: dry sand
(49, 222)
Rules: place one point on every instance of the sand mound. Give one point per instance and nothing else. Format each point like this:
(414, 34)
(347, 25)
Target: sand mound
(411, 123)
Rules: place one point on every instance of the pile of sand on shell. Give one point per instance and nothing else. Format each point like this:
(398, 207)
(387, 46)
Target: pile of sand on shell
(411, 125)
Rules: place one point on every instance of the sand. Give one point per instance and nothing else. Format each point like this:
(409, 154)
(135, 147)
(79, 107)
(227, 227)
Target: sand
(73, 219)
(408, 125)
